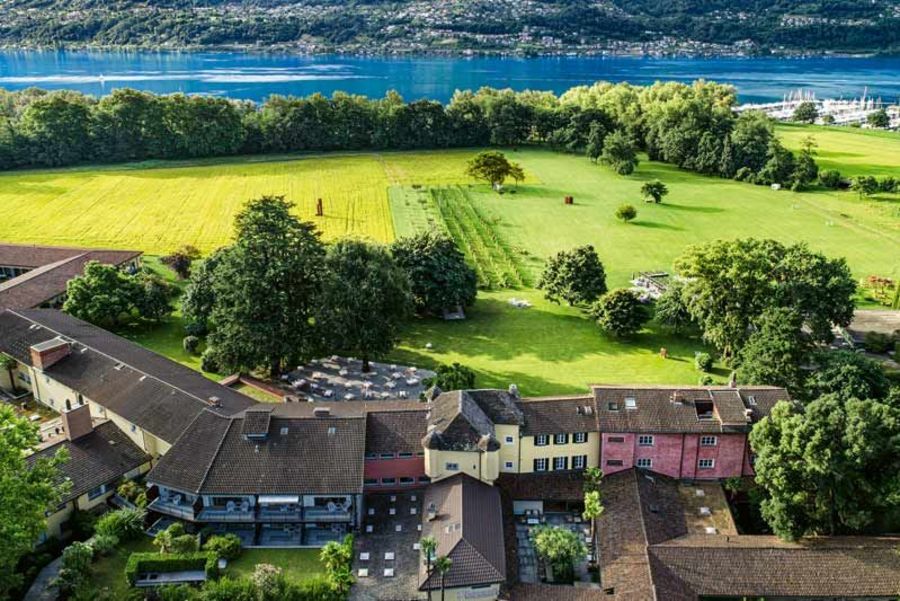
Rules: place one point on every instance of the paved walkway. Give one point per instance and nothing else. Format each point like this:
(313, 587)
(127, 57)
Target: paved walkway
(41, 589)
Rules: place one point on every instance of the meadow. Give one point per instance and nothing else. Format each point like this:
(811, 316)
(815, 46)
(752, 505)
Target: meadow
(545, 349)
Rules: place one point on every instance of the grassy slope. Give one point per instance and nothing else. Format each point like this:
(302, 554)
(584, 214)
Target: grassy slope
(849, 150)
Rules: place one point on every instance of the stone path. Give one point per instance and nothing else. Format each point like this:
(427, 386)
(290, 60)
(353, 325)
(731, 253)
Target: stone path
(42, 589)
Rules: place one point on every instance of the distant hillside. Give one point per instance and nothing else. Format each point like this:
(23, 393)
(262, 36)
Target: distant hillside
(716, 27)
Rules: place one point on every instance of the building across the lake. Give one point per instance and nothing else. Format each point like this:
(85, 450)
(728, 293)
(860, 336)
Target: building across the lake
(300, 474)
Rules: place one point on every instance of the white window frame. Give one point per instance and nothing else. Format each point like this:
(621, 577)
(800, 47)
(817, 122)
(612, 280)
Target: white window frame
(644, 462)
(509, 465)
(510, 440)
(709, 441)
(646, 440)
(561, 464)
(560, 439)
(541, 440)
(579, 462)
(580, 437)
(706, 464)
(541, 464)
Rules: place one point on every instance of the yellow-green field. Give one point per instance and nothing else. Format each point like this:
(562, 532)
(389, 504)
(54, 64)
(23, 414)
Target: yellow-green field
(851, 151)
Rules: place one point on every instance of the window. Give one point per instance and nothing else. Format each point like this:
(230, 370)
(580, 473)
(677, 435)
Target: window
(645, 462)
(133, 428)
(284, 431)
(645, 440)
(580, 437)
(451, 467)
(612, 406)
(614, 462)
(388, 480)
(540, 465)
(752, 400)
(387, 455)
(561, 439)
(615, 439)
(704, 409)
(371, 456)
(405, 455)
(541, 440)
(560, 463)
(708, 441)
(370, 481)
(509, 440)
(630, 402)
(407, 481)
(424, 479)
(706, 464)
(508, 465)
(93, 494)
(579, 462)
(24, 377)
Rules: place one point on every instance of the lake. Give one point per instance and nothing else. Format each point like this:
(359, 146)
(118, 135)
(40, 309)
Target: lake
(255, 76)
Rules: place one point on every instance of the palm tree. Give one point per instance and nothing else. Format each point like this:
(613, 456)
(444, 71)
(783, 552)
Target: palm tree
(9, 364)
(442, 565)
(429, 546)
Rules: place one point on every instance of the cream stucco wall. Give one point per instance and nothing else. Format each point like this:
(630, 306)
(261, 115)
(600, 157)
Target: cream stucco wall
(483, 466)
(509, 451)
(530, 452)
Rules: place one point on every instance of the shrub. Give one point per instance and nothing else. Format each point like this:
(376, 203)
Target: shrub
(133, 492)
(208, 361)
(876, 342)
(173, 562)
(227, 546)
(195, 328)
(190, 344)
(831, 178)
(76, 564)
(620, 313)
(452, 377)
(269, 581)
(124, 524)
(103, 544)
(705, 380)
(82, 524)
(703, 361)
(626, 213)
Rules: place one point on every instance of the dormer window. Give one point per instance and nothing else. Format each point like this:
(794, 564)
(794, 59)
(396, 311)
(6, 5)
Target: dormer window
(752, 400)
(704, 410)
(612, 406)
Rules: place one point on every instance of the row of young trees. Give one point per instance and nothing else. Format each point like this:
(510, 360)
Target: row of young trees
(692, 126)
(278, 296)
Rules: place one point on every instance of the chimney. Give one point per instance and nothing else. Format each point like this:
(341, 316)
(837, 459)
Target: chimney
(321, 412)
(48, 353)
(432, 512)
(214, 401)
(513, 391)
(732, 380)
(76, 419)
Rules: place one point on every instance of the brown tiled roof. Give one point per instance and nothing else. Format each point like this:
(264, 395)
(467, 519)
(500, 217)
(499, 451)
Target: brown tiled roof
(395, 431)
(256, 421)
(670, 409)
(550, 592)
(299, 456)
(458, 423)
(31, 256)
(545, 486)
(468, 529)
(500, 406)
(648, 551)
(559, 415)
(148, 390)
(100, 457)
(52, 268)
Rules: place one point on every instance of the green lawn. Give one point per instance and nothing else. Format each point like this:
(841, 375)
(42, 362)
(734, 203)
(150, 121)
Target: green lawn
(849, 150)
(298, 564)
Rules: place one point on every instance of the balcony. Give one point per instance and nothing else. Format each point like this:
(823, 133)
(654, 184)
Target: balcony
(326, 514)
(168, 506)
(279, 513)
(215, 514)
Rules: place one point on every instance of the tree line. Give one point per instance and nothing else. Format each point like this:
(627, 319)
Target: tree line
(690, 125)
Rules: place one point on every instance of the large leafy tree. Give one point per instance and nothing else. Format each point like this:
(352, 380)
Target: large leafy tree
(26, 492)
(266, 289)
(199, 295)
(491, 166)
(439, 276)
(731, 282)
(776, 351)
(830, 468)
(620, 313)
(107, 296)
(619, 153)
(575, 276)
(671, 309)
(366, 299)
(57, 128)
(559, 547)
(847, 375)
(654, 191)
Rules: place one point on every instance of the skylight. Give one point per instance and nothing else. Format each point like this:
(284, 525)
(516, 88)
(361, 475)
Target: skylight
(630, 402)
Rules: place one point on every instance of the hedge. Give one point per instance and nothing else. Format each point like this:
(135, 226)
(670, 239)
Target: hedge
(171, 562)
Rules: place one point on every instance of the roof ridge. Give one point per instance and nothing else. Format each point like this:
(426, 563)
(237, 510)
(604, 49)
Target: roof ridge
(646, 550)
(212, 459)
(117, 360)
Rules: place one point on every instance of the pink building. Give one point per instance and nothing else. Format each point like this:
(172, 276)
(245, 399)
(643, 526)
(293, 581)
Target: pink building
(394, 457)
(689, 432)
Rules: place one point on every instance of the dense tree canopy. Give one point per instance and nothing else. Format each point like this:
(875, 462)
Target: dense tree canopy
(830, 468)
(846, 375)
(620, 313)
(365, 300)
(730, 284)
(26, 493)
(490, 166)
(107, 296)
(266, 290)
(776, 351)
(439, 276)
(575, 276)
(619, 153)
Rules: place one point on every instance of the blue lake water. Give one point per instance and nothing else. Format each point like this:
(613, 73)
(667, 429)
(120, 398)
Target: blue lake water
(255, 76)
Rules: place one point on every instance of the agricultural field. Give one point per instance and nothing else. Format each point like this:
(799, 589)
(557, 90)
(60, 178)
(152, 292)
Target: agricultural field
(546, 348)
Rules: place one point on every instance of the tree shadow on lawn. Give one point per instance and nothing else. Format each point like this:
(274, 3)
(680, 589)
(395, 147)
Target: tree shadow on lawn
(656, 225)
(690, 208)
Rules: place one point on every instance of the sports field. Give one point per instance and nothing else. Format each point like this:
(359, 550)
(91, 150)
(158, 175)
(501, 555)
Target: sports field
(545, 349)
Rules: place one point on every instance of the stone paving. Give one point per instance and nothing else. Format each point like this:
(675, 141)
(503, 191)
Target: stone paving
(529, 566)
(386, 560)
(342, 379)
